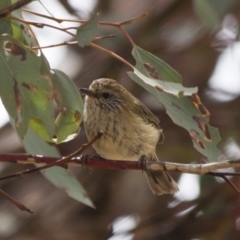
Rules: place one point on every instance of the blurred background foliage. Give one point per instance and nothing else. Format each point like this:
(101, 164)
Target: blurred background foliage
(200, 40)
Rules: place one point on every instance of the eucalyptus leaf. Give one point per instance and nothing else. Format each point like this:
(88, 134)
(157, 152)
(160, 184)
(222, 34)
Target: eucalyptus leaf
(29, 93)
(70, 105)
(22, 31)
(186, 111)
(64, 180)
(87, 31)
(26, 89)
(58, 176)
(165, 86)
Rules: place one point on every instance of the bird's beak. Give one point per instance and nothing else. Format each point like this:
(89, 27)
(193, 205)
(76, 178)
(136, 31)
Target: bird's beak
(88, 92)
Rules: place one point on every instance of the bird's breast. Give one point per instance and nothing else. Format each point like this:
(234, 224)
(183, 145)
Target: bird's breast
(124, 137)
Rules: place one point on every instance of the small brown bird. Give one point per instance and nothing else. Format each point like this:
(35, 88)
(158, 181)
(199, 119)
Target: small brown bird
(130, 130)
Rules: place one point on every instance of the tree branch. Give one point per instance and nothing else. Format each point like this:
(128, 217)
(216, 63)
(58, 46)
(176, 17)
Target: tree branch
(5, 11)
(59, 162)
(98, 162)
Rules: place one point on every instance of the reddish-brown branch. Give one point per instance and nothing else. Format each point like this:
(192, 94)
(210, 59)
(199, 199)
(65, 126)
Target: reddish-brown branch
(59, 162)
(92, 161)
(113, 24)
(97, 162)
(70, 43)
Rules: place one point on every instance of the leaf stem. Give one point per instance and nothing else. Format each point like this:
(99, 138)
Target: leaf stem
(111, 54)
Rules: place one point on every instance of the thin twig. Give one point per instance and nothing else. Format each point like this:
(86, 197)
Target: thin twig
(59, 20)
(15, 202)
(130, 21)
(41, 25)
(230, 183)
(69, 43)
(56, 45)
(5, 11)
(115, 24)
(126, 35)
(111, 54)
(118, 25)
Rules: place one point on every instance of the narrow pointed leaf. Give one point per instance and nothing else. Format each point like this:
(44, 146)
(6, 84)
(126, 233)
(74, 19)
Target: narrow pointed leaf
(58, 176)
(186, 111)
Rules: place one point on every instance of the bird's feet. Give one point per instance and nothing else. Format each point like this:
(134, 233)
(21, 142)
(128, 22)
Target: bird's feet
(85, 159)
(142, 162)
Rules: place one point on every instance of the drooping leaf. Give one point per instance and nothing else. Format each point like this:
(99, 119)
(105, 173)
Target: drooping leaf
(11, 97)
(70, 105)
(186, 111)
(87, 31)
(29, 92)
(64, 180)
(58, 176)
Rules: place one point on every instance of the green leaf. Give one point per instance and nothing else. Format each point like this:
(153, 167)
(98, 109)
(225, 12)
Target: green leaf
(38, 127)
(162, 76)
(58, 176)
(164, 71)
(87, 31)
(26, 93)
(19, 30)
(63, 179)
(187, 111)
(166, 86)
(26, 70)
(70, 105)
(22, 31)
(207, 13)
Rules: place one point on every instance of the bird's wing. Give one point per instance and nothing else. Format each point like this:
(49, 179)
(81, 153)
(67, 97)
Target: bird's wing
(141, 110)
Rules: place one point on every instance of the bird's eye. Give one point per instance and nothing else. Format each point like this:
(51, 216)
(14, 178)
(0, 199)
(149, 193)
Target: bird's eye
(106, 95)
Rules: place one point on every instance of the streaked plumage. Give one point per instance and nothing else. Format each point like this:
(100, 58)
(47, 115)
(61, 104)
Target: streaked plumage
(130, 130)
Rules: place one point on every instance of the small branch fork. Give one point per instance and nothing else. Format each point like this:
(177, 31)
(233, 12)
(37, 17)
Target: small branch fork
(118, 25)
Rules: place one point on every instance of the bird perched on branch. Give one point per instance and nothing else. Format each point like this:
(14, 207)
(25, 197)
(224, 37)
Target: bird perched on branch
(130, 130)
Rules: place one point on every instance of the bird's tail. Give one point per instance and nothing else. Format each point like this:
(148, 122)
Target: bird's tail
(161, 183)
